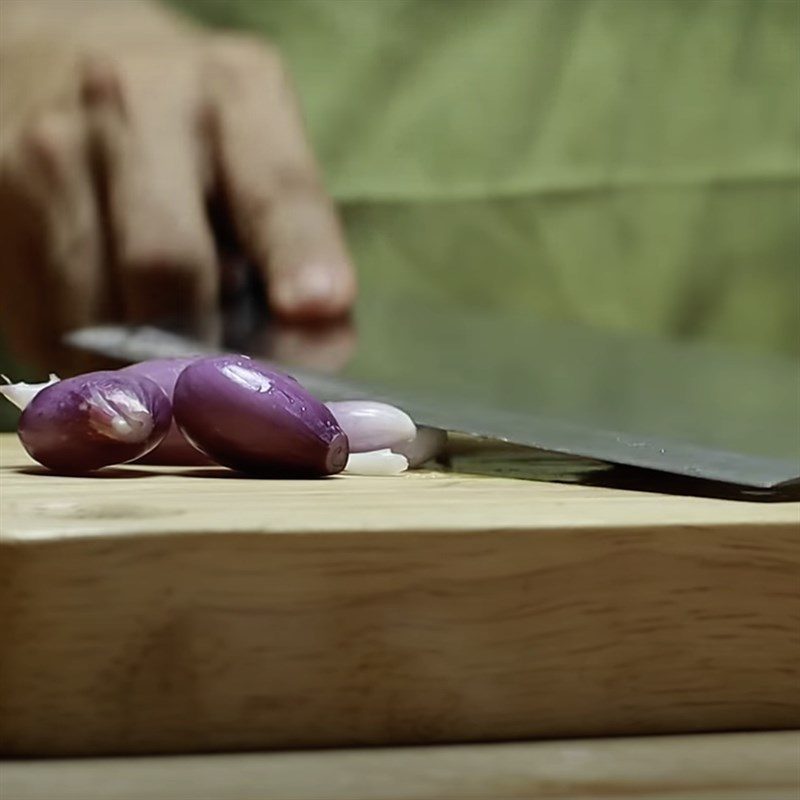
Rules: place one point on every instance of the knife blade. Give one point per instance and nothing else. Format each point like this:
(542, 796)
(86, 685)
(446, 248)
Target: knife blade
(691, 410)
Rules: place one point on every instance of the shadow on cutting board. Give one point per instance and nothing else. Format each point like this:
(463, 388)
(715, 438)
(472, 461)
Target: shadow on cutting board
(113, 473)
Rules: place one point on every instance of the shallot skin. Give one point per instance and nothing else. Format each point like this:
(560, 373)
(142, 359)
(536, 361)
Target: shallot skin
(253, 419)
(162, 371)
(371, 425)
(94, 420)
(20, 394)
(174, 450)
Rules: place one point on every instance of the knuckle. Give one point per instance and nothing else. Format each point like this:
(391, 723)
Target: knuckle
(101, 80)
(178, 270)
(151, 262)
(160, 286)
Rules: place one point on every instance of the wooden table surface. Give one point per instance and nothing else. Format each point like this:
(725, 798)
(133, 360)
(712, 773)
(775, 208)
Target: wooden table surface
(178, 611)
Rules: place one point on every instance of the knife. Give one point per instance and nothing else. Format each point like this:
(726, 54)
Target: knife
(691, 410)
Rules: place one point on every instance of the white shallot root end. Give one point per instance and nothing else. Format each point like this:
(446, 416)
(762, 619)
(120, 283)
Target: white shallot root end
(376, 462)
(20, 394)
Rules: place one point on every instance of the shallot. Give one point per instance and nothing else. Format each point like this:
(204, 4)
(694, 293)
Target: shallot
(372, 426)
(93, 420)
(174, 450)
(251, 418)
(230, 410)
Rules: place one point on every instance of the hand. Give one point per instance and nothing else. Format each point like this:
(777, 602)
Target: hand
(114, 141)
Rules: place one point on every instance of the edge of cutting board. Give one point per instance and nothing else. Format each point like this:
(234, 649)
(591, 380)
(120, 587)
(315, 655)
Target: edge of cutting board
(174, 614)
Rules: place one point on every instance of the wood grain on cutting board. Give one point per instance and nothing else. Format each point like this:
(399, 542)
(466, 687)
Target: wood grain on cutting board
(151, 611)
(730, 766)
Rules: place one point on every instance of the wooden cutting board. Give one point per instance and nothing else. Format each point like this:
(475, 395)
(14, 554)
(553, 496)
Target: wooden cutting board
(157, 610)
(711, 766)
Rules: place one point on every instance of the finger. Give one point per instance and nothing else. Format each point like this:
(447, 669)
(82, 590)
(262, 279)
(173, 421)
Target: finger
(144, 115)
(272, 184)
(53, 252)
(27, 329)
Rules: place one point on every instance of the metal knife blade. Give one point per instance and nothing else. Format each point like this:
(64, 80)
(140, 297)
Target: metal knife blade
(689, 410)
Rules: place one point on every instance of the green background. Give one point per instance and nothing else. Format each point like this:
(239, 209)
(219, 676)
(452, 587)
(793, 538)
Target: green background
(628, 165)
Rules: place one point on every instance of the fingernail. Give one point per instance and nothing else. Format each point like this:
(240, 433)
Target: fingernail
(316, 284)
(311, 286)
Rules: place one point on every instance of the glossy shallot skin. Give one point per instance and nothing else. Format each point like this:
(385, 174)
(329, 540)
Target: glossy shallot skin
(382, 439)
(174, 450)
(94, 420)
(371, 425)
(251, 418)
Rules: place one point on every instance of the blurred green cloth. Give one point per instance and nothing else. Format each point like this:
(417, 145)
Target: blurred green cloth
(630, 164)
